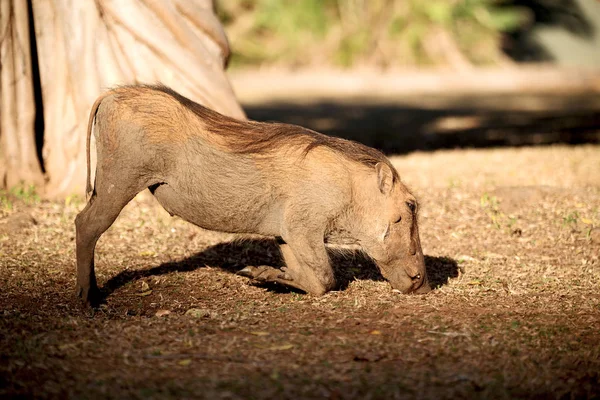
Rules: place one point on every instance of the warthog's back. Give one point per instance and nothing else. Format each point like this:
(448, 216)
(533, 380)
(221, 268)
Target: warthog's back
(174, 119)
(218, 172)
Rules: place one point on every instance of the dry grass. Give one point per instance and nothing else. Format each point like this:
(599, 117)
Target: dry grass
(513, 246)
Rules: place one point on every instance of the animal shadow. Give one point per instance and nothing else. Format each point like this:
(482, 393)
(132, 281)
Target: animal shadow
(233, 256)
(440, 270)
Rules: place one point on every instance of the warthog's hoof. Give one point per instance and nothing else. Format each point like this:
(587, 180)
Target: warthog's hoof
(262, 273)
(91, 295)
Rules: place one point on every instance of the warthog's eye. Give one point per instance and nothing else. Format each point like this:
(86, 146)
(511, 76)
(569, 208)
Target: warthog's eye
(412, 206)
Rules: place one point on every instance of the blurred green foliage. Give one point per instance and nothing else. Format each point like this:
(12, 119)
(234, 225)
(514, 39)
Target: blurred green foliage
(375, 32)
(23, 192)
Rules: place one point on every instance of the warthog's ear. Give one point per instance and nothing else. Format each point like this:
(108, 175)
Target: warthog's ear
(385, 177)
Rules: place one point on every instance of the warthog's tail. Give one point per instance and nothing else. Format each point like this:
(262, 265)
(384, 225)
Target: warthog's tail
(88, 186)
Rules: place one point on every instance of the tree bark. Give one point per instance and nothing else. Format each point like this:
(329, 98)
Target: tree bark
(18, 154)
(87, 46)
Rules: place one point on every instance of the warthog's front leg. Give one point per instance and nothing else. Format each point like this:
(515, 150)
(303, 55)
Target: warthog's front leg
(307, 266)
(313, 274)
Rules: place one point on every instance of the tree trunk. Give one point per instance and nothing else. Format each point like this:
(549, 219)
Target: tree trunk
(18, 155)
(87, 46)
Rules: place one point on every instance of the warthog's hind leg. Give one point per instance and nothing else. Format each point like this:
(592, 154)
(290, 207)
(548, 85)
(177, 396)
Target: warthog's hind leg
(97, 216)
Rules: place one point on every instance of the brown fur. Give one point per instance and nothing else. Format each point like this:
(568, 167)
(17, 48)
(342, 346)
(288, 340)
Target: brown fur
(239, 136)
(248, 177)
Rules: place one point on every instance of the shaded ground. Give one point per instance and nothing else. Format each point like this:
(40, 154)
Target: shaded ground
(512, 242)
(404, 123)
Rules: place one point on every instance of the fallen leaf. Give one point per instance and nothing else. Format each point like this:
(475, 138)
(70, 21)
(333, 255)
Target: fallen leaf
(258, 333)
(586, 221)
(474, 283)
(162, 313)
(368, 357)
(145, 287)
(375, 332)
(285, 346)
(198, 313)
(449, 334)
(185, 362)
(144, 294)
(147, 253)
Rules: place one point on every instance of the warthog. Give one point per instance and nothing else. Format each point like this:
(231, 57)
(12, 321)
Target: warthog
(228, 175)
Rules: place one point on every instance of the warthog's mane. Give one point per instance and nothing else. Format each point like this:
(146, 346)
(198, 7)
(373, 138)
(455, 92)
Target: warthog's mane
(252, 137)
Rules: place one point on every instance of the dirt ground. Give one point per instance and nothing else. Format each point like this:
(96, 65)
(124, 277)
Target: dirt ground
(512, 242)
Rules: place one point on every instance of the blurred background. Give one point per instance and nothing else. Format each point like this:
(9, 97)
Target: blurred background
(405, 75)
(458, 34)
(399, 75)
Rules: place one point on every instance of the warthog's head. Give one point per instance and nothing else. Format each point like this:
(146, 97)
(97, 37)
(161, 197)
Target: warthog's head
(390, 232)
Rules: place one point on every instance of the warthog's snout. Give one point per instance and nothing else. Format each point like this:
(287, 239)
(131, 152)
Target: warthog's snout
(421, 285)
(407, 280)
